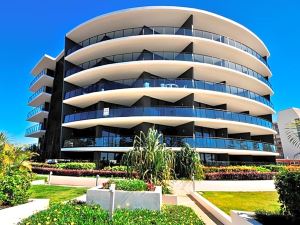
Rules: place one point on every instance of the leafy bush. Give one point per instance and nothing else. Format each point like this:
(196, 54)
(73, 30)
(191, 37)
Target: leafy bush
(287, 184)
(275, 168)
(225, 169)
(82, 214)
(70, 213)
(127, 184)
(79, 173)
(273, 218)
(76, 166)
(15, 173)
(115, 168)
(240, 176)
(69, 165)
(188, 164)
(14, 188)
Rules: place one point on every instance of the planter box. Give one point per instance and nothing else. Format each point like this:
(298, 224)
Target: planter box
(15, 214)
(151, 200)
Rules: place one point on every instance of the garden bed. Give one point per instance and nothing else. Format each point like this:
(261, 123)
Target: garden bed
(240, 176)
(74, 213)
(81, 172)
(130, 194)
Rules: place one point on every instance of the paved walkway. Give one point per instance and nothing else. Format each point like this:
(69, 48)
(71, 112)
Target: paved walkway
(76, 181)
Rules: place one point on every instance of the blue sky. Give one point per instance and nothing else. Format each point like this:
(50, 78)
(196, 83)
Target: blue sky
(33, 27)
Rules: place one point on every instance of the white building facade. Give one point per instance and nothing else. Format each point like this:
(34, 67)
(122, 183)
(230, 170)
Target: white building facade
(289, 129)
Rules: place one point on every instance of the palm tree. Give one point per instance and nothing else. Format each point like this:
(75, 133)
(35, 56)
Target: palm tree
(150, 158)
(293, 134)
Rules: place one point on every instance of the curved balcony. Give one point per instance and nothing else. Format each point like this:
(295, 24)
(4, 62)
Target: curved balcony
(35, 131)
(173, 141)
(41, 96)
(38, 113)
(159, 30)
(44, 78)
(170, 112)
(141, 56)
(168, 83)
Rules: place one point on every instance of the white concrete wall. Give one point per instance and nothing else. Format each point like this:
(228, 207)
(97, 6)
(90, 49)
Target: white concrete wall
(126, 199)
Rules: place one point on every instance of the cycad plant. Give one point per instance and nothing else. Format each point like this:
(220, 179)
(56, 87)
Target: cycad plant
(150, 158)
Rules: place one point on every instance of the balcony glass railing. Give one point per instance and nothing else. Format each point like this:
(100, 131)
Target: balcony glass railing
(170, 112)
(34, 129)
(38, 92)
(43, 72)
(141, 56)
(156, 30)
(37, 110)
(173, 141)
(167, 83)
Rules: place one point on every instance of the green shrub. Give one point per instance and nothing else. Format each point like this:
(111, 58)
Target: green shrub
(70, 213)
(76, 166)
(262, 169)
(14, 188)
(127, 184)
(15, 173)
(275, 168)
(82, 214)
(116, 168)
(287, 184)
(225, 169)
(188, 164)
(275, 218)
(69, 165)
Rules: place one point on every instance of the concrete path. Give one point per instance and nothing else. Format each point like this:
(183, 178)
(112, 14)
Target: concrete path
(76, 181)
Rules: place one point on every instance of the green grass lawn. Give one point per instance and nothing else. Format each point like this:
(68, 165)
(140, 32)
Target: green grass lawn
(40, 177)
(245, 201)
(56, 193)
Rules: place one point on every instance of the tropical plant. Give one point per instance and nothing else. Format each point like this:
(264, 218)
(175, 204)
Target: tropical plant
(150, 158)
(15, 173)
(188, 163)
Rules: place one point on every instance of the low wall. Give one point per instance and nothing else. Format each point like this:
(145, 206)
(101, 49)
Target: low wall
(126, 199)
(215, 211)
(14, 215)
(243, 218)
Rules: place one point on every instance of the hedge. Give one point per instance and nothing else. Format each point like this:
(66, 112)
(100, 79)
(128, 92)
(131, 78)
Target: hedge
(82, 214)
(69, 165)
(78, 173)
(240, 176)
(288, 187)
